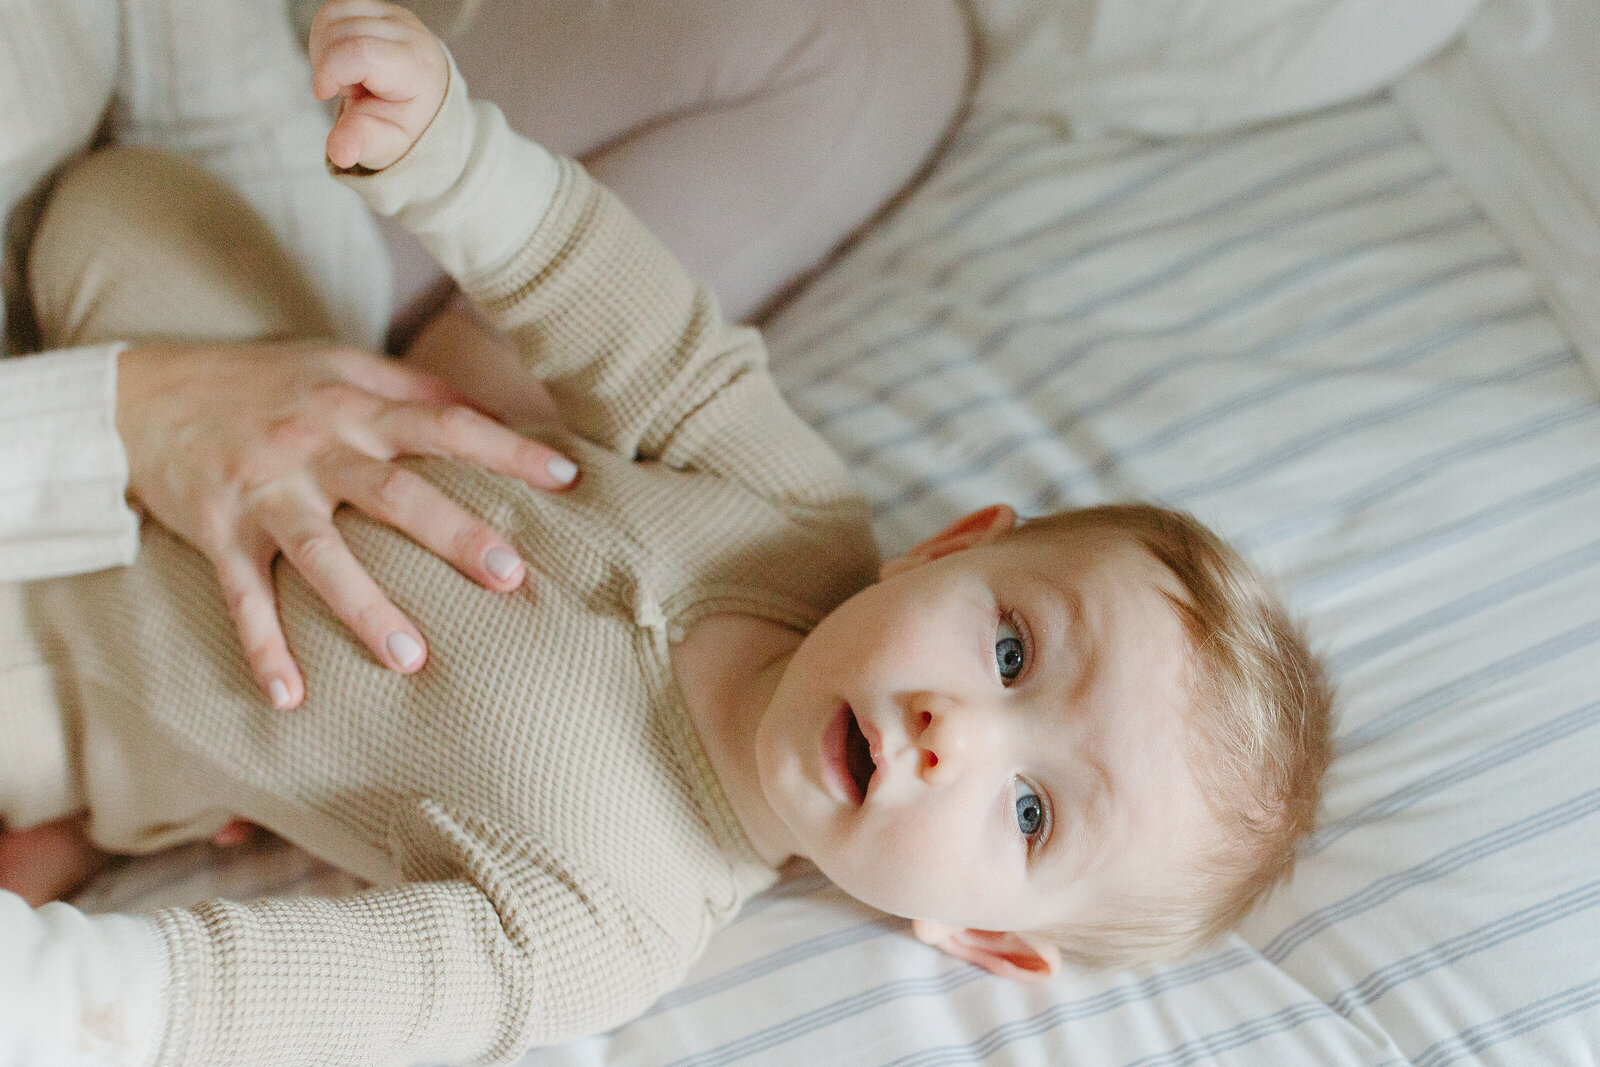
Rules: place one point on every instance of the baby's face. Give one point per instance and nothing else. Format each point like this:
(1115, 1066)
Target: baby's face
(993, 739)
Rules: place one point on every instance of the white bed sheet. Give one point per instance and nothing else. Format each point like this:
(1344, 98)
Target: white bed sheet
(1310, 336)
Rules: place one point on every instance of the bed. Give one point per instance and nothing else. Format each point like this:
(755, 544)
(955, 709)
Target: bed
(1321, 332)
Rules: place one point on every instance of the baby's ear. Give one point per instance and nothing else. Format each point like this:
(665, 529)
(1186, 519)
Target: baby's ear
(1024, 957)
(982, 527)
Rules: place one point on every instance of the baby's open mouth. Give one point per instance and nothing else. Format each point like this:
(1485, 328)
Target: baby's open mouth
(857, 755)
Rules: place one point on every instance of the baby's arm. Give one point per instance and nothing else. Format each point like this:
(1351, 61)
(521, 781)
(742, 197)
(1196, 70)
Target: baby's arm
(634, 351)
(624, 338)
(527, 952)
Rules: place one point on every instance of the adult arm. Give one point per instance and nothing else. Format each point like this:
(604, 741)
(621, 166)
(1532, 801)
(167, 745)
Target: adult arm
(78, 990)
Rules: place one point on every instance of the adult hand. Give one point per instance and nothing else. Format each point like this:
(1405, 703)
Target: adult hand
(246, 450)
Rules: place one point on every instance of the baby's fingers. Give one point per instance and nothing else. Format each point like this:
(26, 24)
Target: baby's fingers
(379, 62)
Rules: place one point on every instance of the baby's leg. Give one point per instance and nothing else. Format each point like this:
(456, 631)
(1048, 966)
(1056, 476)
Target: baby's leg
(44, 852)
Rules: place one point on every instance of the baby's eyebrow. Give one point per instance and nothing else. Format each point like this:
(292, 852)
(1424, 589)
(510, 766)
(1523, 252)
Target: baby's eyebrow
(1076, 845)
(1071, 648)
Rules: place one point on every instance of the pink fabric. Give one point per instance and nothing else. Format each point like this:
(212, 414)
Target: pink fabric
(750, 135)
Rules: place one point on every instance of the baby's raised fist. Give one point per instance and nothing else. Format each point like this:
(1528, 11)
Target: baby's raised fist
(391, 71)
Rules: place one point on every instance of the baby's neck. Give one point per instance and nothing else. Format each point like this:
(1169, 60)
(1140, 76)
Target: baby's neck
(728, 667)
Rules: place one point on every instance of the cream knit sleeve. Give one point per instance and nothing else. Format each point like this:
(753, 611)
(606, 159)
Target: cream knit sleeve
(63, 471)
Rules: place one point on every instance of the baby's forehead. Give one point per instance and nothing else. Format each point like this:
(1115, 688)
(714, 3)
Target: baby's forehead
(1056, 549)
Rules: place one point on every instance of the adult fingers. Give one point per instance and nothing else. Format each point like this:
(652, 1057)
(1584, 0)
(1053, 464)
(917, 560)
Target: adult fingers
(406, 501)
(313, 546)
(246, 579)
(473, 437)
(392, 379)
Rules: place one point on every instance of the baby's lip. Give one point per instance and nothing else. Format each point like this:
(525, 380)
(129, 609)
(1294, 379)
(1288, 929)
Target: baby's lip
(835, 758)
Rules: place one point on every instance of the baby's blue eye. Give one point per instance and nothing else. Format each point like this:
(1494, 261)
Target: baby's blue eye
(1009, 652)
(1030, 810)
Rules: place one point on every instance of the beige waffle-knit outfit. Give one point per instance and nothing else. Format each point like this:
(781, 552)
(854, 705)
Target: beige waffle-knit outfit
(549, 846)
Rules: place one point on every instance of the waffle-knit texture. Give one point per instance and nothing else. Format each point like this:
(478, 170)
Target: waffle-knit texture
(549, 846)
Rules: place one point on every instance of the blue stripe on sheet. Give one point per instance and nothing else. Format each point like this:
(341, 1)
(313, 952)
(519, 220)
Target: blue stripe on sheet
(1493, 595)
(1206, 1049)
(1232, 304)
(1065, 1012)
(1412, 472)
(1063, 362)
(1452, 950)
(811, 365)
(1014, 243)
(1553, 1008)
(1297, 218)
(803, 345)
(1464, 769)
(1462, 687)
(862, 1001)
(1252, 396)
(1449, 861)
(1061, 487)
(789, 955)
(764, 1041)
(1200, 419)
(1408, 550)
(1285, 451)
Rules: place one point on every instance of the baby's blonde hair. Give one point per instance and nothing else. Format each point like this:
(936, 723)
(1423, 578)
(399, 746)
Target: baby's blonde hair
(1259, 739)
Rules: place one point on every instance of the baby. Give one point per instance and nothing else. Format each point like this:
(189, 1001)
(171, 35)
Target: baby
(1089, 736)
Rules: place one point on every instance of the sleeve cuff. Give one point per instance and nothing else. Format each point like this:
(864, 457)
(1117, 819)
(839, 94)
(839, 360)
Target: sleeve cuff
(63, 469)
(80, 989)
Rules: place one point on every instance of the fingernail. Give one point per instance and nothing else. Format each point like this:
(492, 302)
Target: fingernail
(561, 469)
(502, 562)
(278, 693)
(404, 649)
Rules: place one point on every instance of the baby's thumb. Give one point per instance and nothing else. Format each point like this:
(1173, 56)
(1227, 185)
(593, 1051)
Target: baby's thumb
(346, 142)
(359, 139)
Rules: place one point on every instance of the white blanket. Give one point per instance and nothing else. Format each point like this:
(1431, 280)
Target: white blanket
(1506, 91)
(1514, 108)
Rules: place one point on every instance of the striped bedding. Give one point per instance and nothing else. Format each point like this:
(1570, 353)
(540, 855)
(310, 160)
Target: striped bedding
(1308, 335)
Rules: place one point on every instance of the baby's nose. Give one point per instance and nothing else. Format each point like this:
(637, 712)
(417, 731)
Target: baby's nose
(950, 735)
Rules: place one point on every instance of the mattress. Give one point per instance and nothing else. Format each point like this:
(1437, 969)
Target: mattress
(1306, 333)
